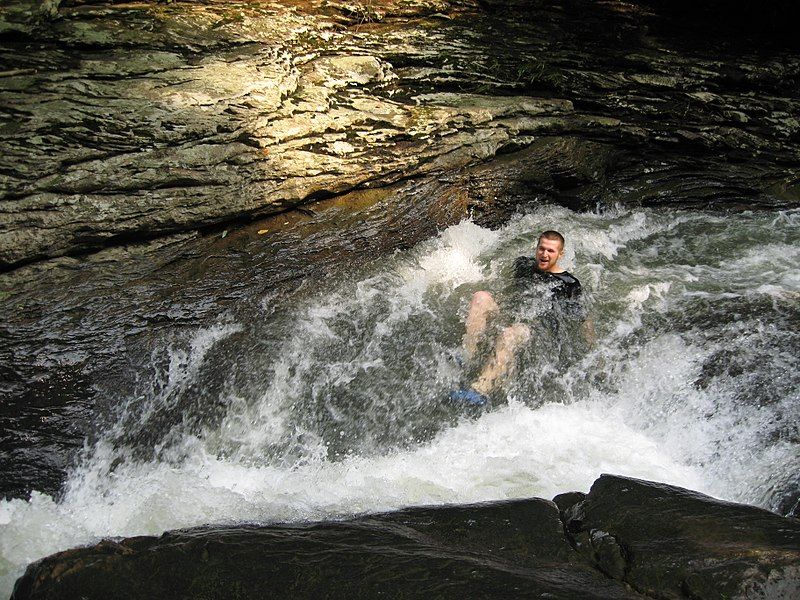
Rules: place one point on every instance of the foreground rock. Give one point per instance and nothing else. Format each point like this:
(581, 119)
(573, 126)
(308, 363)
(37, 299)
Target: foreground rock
(625, 539)
(668, 542)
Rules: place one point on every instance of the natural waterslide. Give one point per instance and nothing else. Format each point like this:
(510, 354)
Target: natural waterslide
(333, 405)
(238, 240)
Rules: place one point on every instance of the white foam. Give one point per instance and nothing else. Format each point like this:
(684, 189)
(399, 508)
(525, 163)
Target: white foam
(452, 259)
(513, 452)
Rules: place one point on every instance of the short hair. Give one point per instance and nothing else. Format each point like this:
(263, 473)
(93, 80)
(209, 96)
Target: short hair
(551, 235)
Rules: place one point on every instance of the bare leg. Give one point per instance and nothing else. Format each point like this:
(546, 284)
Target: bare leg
(482, 307)
(501, 363)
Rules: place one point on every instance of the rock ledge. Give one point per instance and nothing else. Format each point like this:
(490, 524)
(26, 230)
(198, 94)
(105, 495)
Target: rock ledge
(626, 539)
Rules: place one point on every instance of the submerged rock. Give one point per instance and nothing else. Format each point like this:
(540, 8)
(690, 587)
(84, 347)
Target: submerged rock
(632, 539)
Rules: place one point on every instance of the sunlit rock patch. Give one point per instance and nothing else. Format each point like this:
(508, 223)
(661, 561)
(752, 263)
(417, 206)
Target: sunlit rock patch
(130, 121)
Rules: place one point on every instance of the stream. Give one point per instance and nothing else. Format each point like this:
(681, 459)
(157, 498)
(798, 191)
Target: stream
(331, 401)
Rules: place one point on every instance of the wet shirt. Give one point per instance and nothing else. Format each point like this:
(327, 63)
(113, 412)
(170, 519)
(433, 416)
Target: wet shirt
(563, 288)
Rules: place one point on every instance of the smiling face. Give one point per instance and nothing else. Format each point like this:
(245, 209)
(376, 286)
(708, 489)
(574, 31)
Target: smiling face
(548, 252)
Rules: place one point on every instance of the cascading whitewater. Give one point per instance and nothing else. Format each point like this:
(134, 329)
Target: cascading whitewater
(334, 406)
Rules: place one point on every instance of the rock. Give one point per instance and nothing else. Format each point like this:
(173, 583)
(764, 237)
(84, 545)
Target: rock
(626, 539)
(567, 500)
(203, 273)
(25, 16)
(513, 549)
(131, 121)
(172, 144)
(668, 542)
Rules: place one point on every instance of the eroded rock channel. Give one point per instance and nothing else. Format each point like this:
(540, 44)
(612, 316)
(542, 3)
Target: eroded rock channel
(169, 165)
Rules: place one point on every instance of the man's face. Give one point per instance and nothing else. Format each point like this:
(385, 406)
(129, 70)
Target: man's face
(547, 254)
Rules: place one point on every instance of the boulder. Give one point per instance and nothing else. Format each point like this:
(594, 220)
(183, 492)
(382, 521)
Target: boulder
(668, 542)
(513, 549)
(626, 538)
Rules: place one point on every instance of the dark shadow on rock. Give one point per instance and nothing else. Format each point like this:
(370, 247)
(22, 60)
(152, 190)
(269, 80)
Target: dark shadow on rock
(626, 539)
(511, 549)
(668, 542)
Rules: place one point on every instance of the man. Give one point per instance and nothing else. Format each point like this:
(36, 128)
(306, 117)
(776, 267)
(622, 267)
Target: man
(565, 292)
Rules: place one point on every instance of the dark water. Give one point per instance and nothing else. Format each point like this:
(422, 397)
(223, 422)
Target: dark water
(323, 397)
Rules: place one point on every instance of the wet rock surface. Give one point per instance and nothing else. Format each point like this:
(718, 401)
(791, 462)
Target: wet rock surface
(78, 331)
(667, 542)
(140, 120)
(626, 539)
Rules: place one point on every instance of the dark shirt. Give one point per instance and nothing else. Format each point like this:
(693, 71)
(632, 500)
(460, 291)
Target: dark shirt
(565, 289)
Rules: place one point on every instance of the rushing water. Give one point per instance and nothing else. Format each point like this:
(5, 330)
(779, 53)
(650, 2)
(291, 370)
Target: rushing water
(335, 405)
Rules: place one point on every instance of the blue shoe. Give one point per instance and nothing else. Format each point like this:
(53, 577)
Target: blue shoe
(468, 397)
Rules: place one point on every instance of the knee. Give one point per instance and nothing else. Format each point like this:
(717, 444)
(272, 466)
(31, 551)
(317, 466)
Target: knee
(516, 334)
(483, 300)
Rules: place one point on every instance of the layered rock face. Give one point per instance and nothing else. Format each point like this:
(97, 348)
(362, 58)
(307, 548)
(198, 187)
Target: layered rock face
(132, 130)
(124, 122)
(179, 117)
(626, 539)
